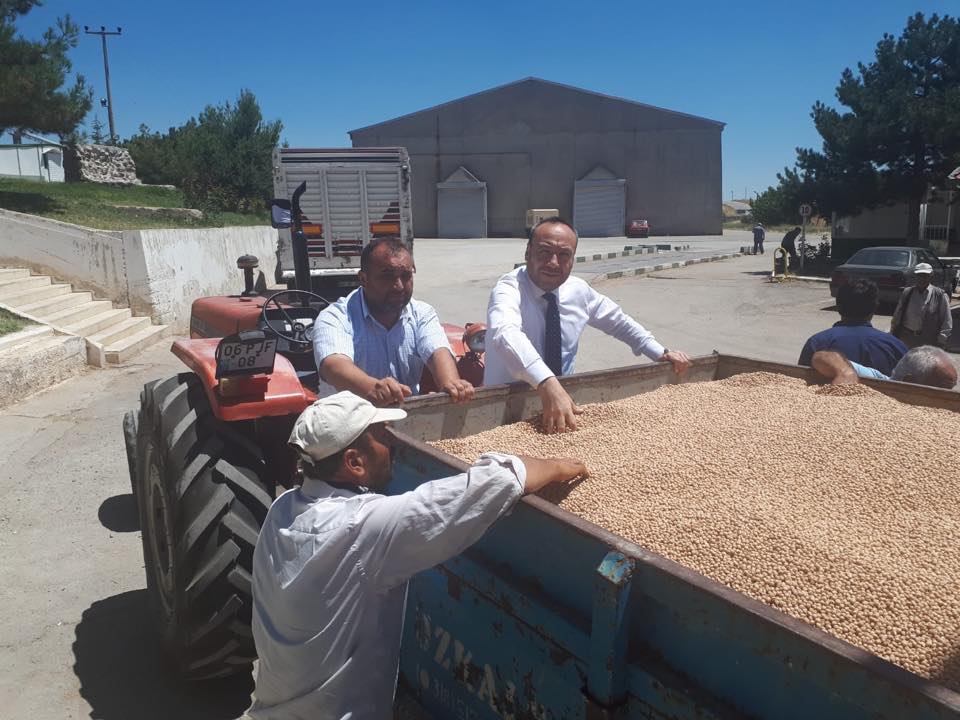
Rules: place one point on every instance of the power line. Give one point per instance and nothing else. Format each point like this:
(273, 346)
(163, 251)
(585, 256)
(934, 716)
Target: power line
(103, 32)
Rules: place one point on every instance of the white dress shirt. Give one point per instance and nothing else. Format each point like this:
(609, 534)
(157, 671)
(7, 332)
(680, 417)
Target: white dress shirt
(330, 575)
(516, 328)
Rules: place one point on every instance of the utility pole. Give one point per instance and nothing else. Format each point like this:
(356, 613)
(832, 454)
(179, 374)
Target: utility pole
(102, 32)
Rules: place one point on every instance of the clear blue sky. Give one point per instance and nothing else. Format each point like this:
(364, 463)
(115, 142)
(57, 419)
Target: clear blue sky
(325, 68)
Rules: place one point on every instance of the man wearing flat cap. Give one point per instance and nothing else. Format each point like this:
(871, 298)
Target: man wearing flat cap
(923, 316)
(333, 558)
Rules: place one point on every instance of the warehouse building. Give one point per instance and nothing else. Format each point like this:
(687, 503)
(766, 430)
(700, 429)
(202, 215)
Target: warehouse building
(480, 162)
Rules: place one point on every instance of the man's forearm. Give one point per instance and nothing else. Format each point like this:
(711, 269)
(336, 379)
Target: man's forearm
(609, 317)
(946, 322)
(443, 367)
(520, 357)
(341, 372)
(832, 365)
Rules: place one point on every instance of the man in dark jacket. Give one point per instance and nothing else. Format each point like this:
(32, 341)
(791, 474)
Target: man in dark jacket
(759, 234)
(923, 316)
(789, 243)
(854, 336)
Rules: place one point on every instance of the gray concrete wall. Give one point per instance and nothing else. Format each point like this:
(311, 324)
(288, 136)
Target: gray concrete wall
(168, 269)
(153, 272)
(531, 141)
(88, 259)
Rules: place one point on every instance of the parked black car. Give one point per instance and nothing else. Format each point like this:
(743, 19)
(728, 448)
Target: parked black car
(891, 268)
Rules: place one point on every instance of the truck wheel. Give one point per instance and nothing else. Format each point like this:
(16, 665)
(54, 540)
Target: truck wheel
(202, 496)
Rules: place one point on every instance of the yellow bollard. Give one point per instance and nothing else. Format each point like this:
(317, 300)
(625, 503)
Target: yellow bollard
(779, 254)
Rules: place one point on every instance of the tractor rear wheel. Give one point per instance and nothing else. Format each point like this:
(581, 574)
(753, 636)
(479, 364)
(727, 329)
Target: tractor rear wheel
(202, 495)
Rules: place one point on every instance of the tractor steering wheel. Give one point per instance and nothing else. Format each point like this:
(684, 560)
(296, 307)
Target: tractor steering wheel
(297, 335)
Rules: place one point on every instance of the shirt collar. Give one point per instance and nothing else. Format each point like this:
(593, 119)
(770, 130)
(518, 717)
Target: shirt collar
(319, 489)
(844, 323)
(536, 289)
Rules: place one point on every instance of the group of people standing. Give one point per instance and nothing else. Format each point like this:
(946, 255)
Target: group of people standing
(334, 555)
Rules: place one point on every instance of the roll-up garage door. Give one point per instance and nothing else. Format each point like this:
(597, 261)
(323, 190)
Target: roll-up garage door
(599, 204)
(461, 206)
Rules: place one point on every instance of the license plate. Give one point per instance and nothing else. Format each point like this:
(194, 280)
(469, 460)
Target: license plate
(247, 353)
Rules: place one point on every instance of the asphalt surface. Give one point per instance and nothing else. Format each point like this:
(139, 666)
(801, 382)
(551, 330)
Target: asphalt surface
(75, 639)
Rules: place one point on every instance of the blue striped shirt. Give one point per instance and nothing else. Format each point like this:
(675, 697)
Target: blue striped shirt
(348, 328)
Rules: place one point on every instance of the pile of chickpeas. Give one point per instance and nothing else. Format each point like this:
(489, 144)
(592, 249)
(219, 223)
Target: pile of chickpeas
(839, 506)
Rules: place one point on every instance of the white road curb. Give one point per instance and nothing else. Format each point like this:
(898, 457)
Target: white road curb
(663, 266)
(631, 250)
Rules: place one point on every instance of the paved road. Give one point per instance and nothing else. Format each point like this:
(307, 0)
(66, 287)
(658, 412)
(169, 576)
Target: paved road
(74, 634)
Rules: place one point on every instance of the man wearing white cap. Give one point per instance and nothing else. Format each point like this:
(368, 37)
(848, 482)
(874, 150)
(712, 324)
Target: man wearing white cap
(333, 558)
(923, 316)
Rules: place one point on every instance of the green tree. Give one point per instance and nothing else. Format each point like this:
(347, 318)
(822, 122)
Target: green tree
(32, 75)
(96, 131)
(768, 207)
(901, 132)
(780, 204)
(160, 157)
(221, 159)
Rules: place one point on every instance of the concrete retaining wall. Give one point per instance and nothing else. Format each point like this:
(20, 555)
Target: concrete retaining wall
(168, 269)
(34, 366)
(153, 272)
(89, 259)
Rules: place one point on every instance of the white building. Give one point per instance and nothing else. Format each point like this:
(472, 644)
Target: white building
(40, 160)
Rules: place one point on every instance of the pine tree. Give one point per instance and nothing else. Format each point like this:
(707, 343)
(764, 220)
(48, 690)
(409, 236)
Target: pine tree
(901, 133)
(33, 73)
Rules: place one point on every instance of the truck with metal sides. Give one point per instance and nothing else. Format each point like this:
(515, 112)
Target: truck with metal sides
(352, 196)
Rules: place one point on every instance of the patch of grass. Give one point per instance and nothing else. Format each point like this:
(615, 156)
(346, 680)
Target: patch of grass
(10, 323)
(91, 205)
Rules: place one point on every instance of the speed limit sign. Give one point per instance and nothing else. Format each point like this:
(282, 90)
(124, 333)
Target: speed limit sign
(805, 210)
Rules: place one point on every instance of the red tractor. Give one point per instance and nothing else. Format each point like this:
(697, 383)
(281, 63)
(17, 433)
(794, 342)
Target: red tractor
(207, 453)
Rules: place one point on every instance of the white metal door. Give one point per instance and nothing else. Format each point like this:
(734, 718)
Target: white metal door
(462, 206)
(462, 212)
(599, 207)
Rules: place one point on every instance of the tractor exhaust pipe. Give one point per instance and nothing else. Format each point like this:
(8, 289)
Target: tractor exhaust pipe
(301, 261)
(248, 263)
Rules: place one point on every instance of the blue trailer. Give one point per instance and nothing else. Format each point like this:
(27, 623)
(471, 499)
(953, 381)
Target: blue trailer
(550, 616)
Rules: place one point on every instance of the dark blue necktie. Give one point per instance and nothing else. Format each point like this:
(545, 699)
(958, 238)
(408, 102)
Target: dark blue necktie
(551, 346)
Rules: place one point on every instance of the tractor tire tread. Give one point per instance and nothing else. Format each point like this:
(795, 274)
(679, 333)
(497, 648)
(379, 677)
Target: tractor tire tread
(214, 479)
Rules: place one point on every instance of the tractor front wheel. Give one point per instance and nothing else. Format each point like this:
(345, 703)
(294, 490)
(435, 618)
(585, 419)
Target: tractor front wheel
(203, 495)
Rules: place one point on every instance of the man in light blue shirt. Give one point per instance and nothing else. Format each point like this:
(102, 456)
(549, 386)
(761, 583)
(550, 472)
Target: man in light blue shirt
(924, 365)
(376, 341)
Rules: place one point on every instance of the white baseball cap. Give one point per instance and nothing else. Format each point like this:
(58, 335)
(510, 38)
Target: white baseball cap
(332, 423)
(923, 269)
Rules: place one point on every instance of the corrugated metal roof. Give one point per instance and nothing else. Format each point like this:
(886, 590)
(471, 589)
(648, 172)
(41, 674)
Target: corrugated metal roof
(541, 82)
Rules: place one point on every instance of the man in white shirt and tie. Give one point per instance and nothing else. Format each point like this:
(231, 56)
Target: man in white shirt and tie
(537, 314)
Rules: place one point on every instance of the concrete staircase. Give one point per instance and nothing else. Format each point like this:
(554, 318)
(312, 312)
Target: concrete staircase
(112, 335)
